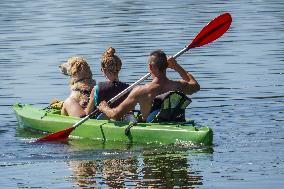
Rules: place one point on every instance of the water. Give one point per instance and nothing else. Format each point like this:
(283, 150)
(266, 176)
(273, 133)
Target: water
(241, 76)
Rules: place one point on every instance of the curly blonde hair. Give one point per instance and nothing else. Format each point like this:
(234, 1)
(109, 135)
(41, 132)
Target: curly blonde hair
(111, 62)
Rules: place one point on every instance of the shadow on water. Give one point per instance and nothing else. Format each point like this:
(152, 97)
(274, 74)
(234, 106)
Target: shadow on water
(95, 164)
(157, 170)
(160, 167)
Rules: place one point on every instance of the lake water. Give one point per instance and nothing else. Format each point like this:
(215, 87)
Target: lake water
(242, 96)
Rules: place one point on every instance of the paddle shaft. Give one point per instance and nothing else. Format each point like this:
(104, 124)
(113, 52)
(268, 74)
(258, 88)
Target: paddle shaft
(126, 90)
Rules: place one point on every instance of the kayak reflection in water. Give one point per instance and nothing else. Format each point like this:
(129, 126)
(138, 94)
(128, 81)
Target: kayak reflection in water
(154, 170)
(144, 95)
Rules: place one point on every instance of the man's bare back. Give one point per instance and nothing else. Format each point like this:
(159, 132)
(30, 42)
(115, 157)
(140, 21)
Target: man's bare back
(144, 95)
(147, 93)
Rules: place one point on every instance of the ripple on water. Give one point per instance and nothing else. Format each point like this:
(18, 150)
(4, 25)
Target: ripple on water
(241, 97)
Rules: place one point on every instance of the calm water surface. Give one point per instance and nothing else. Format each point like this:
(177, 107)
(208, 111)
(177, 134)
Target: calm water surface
(242, 99)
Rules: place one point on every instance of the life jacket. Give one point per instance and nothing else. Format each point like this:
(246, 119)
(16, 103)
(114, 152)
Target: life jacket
(109, 89)
(169, 107)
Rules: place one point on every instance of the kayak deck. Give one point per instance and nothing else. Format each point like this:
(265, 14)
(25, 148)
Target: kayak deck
(106, 130)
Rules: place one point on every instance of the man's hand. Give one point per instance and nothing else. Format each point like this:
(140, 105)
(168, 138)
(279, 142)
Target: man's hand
(171, 63)
(188, 83)
(103, 106)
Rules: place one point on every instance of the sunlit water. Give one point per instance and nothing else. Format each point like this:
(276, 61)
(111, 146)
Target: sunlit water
(242, 99)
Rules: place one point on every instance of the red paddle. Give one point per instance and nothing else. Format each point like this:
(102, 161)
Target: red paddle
(212, 31)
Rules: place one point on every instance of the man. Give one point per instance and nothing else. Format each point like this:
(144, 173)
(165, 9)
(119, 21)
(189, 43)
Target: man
(144, 95)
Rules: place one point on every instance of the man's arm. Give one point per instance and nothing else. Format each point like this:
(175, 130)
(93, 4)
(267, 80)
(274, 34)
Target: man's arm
(126, 106)
(190, 85)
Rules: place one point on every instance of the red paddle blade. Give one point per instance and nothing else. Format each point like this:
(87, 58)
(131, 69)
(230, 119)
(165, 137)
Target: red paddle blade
(58, 136)
(212, 31)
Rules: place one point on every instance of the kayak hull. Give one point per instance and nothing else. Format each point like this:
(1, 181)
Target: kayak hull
(46, 121)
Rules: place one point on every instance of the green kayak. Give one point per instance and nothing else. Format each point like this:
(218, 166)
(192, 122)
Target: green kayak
(50, 121)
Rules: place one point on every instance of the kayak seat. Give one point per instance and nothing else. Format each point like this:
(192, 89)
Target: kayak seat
(169, 107)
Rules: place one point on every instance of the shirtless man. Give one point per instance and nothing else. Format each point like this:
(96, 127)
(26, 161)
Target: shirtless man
(144, 95)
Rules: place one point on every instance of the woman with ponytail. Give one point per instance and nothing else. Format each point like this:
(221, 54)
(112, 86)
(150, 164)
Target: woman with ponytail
(104, 91)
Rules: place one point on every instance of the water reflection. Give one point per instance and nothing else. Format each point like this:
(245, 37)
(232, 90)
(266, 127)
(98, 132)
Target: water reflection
(241, 76)
(157, 170)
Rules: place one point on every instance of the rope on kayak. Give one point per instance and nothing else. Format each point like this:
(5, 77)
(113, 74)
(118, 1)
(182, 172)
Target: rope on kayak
(55, 105)
(127, 131)
(102, 131)
(47, 110)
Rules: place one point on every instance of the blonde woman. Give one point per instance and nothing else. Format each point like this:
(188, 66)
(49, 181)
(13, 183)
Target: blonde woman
(104, 91)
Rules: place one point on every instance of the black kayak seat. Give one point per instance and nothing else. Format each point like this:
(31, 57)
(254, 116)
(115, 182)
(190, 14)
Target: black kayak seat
(169, 107)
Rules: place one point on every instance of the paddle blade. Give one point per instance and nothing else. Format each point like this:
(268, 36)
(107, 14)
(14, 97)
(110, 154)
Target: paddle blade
(212, 31)
(58, 136)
